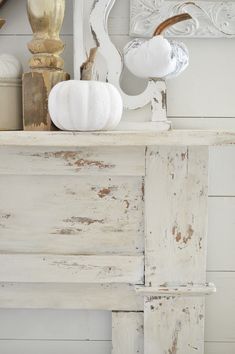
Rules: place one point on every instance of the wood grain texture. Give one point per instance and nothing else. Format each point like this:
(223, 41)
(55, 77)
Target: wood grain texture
(71, 215)
(71, 269)
(127, 333)
(175, 247)
(176, 227)
(36, 90)
(74, 161)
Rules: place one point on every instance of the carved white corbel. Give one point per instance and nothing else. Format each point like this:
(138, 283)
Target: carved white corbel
(91, 30)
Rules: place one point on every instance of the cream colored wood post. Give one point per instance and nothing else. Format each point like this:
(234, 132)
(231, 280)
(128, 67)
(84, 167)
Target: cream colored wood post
(175, 250)
(46, 18)
(127, 332)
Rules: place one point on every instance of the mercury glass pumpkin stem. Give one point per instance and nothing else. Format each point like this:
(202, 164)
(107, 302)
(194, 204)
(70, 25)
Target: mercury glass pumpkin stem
(46, 18)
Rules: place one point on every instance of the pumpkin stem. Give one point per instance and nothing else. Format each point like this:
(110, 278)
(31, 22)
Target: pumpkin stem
(171, 22)
(87, 67)
(2, 22)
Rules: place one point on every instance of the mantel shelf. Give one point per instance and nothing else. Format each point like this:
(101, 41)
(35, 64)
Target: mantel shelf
(118, 138)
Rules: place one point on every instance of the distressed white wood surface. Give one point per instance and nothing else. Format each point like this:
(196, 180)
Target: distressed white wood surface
(221, 234)
(81, 215)
(176, 227)
(55, 347)
(127, 333)
(77, 161)
(55, 325)
(71, 296)
(118, 138)
(173, 325)
(175, 247)
(71, 269)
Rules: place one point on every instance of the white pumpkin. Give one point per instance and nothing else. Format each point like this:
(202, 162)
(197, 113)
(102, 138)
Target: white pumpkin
(10, 67)
(157, 57)
(85, 105)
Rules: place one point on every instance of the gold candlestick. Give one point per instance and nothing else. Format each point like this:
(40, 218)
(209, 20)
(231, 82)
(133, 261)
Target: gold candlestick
(46, 19)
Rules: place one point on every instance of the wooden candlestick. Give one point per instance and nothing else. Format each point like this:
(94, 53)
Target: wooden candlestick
(46, 18)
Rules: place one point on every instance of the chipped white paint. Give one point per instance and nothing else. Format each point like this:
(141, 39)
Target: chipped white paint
(30, 268)
(129, 137)
(72, 229)
(177, 290)
(70, 296)
(71, 215)
(174, 325)
(108, 65)
(72, 162)
(211, 19)
(175, 249)
(127, 333)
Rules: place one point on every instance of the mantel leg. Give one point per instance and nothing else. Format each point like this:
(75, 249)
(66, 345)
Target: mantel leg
(175, 250)
(127, 333)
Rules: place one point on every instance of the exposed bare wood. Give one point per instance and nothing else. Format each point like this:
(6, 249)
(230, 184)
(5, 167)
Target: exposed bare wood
(46, 19)
(87, 67)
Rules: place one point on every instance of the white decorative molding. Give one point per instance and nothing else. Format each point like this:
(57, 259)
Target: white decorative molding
(91, 30)
(211, 19)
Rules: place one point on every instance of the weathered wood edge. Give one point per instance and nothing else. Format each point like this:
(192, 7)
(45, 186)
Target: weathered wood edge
(118, 138)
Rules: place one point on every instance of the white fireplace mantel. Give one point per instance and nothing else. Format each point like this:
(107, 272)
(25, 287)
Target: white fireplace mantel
(113, 221)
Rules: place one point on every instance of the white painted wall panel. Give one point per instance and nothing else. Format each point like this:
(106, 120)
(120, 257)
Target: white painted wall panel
(55, 325)
(55, 347)
(221, 235)
(220, 309)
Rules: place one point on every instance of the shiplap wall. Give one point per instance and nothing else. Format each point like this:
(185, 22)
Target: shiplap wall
(203, 97)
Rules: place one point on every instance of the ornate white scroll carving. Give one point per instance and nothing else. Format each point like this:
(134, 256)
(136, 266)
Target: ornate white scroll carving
(211, 18)
(91, 30)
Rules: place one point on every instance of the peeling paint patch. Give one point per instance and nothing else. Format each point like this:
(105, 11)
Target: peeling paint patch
(104, 192)
(84, 220)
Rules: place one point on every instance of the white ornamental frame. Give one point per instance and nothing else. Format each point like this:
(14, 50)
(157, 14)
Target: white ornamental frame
(211, 19)
(91, 30)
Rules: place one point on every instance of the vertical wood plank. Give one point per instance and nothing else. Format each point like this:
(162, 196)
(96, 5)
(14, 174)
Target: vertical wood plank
(176, 227)
(127, 333)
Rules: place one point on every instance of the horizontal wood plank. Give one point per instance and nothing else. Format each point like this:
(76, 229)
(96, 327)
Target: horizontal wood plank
(219, 348)
(70, 296)
(71, 215)
(55, 347)
(71, 269)
(78, 162)
(118, 138)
